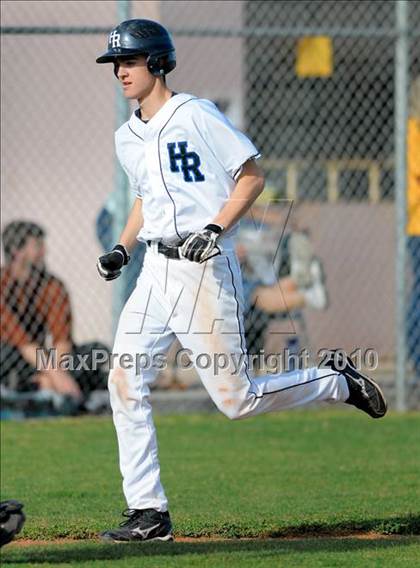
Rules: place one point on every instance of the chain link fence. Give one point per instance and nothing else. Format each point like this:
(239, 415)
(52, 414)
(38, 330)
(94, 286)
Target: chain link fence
(313, 83)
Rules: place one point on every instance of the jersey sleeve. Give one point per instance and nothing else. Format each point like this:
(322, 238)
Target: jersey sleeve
(119, 149)
(134, 186)
(229, 145)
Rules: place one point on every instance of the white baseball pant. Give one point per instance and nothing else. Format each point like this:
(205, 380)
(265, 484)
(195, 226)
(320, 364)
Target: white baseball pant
(202, 305)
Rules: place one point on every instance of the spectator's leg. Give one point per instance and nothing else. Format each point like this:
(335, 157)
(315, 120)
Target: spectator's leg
(93, 365)
(15, 372)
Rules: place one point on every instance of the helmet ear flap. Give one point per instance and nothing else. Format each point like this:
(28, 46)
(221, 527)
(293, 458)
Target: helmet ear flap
(161, 64)
(154, 65)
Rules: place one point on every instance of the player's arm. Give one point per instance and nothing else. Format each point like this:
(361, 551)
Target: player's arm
(248, 187)
(201, 246)
(109, 265)
(133, 226)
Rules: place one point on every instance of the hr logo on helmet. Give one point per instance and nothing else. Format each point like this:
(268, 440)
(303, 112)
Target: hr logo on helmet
(190, 161)
(114, 39)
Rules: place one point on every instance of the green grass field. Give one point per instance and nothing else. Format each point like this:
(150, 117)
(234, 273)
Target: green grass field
(298, 475)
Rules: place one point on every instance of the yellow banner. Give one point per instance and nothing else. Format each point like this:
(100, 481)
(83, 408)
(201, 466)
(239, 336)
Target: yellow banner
(314, 57)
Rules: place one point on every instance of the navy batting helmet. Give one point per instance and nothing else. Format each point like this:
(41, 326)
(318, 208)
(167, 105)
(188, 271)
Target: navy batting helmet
(142, 37)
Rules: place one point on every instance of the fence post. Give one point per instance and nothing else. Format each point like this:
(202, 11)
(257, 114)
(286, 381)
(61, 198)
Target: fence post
(122, 112)
(401, 116)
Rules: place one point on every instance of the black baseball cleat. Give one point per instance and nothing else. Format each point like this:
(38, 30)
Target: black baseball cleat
(141, 525)
(365, 393)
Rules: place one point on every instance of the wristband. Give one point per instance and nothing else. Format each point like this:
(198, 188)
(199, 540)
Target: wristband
(218, 229)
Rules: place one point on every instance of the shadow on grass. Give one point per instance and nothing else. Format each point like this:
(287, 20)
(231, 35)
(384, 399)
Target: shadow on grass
(80, 551)
(406, 525)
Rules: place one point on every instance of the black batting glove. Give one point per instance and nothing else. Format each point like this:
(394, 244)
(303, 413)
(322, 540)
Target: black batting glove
(109, 265)
(201, 246)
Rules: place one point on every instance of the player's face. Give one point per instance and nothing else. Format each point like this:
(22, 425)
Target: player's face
(136, 79)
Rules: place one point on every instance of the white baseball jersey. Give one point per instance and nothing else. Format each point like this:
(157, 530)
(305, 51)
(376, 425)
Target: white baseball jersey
(183, 164)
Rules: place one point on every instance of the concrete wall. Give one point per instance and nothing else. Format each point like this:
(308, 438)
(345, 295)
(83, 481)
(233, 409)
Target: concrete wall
(356, 243)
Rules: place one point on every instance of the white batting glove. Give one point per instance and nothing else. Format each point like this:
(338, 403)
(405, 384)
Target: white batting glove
(201, 246)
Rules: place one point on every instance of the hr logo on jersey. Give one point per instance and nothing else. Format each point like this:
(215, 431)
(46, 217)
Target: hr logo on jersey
(114, 39)
(190, 161)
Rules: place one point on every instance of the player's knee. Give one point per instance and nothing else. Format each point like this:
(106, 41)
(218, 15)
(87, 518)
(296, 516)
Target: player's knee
(231, 408)
(118, 385)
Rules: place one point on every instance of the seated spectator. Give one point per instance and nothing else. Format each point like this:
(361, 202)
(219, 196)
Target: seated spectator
(281, 273)
(35, 314)
(285, 295)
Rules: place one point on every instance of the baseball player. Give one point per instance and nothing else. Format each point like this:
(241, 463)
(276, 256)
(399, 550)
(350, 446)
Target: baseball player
(194, 176)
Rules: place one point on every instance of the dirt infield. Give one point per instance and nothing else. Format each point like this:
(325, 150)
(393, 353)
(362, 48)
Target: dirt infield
(23, 542)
